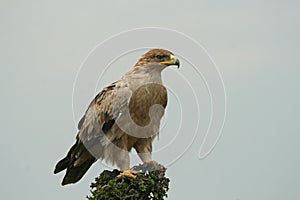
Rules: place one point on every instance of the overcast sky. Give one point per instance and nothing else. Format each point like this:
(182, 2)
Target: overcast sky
(255, 45)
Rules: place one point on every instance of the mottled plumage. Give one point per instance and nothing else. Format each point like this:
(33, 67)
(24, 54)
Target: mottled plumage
(124, 115)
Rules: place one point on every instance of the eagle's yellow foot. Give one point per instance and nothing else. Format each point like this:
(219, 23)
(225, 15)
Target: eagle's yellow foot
(129, 173)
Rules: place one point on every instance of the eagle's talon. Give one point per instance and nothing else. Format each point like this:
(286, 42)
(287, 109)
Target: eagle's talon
(128, 173)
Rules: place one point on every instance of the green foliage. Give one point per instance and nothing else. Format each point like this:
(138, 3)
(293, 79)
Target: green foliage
(149, 184)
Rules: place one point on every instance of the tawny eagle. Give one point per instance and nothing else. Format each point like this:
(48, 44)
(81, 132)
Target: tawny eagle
(124, 115)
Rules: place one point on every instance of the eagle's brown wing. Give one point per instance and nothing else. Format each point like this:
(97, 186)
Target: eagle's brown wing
(97, 121)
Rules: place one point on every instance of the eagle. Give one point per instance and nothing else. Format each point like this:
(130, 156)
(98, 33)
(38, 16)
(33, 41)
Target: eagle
(124, 115)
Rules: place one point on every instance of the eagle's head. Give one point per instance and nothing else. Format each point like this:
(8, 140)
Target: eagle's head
(160, 58)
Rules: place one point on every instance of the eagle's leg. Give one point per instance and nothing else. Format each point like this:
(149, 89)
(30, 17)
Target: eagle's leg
(123, 160)
(124, 165)
(144, 150)
(145, 156)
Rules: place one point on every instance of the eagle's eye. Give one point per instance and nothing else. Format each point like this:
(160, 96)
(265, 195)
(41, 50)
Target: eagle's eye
(159, 56)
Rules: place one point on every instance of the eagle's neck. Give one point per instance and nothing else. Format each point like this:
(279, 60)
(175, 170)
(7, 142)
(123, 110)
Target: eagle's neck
(145, 74)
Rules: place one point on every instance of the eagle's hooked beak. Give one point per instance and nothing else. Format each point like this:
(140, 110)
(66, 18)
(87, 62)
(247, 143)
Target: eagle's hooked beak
(173, 61)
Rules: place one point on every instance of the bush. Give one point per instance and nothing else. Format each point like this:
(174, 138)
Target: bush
(149, 184)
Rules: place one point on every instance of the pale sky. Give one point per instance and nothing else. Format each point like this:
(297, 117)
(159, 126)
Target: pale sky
(255, 45)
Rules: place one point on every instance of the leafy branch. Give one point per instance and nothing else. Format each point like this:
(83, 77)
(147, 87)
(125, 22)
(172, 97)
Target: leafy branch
(149, 184)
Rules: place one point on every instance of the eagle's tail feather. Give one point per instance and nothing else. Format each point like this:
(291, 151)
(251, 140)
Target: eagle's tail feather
(66, 161)
(76, 167)
(74, 174)
(62, 164)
